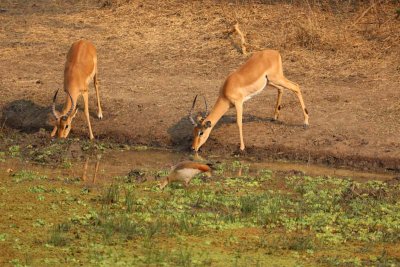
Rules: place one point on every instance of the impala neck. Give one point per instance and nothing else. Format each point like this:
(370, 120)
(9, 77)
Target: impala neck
(220, 108)
(68, 103)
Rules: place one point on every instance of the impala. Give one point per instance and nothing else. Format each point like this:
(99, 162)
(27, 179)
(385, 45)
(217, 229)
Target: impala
(262, 68)
(80, 68)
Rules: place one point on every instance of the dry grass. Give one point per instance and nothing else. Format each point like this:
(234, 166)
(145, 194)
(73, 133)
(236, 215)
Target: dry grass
(325, 39)
(323, 32)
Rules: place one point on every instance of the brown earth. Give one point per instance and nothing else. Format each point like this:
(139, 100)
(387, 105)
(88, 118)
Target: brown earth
(154, 57)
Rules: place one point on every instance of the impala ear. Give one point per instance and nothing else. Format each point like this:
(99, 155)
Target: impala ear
(207, 124)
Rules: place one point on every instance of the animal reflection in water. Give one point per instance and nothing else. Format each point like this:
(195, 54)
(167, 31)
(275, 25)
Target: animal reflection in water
(184, 172)
(85, 177)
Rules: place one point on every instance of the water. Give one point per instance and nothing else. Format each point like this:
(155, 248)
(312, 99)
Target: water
(102, 168)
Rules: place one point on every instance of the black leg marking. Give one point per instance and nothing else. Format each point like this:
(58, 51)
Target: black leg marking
(306, 111)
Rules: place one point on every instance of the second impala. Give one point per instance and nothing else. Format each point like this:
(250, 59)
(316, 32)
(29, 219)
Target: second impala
(264, 67)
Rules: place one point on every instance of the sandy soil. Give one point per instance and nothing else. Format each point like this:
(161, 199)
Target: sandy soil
(154, 58)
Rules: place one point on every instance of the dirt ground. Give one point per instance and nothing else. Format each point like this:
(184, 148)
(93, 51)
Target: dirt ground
(155, 57)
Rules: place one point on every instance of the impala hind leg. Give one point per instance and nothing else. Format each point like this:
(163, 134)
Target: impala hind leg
(96, 86)
(239, 121)
(86, 102)
(296, 89)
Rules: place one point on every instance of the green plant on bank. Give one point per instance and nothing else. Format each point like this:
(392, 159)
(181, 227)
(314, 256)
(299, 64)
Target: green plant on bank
(140, 148)
(26, 175)
(18, 263)
(66, 164)
(112, 194)
(3, 237)
(87, 145)
(57, 235)
(51, 153)
(129, 200)
(2, 156)
(264, 175)
(14, 151)
(240, 165)
(219, 168)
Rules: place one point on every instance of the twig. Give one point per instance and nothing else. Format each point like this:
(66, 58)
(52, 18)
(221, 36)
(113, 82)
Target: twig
(4, 123)
(242, 40)
(235, 28)
(363, 14)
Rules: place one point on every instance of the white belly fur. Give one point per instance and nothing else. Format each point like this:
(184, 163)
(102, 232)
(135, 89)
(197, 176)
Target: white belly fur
(187, 173)
(257, 91)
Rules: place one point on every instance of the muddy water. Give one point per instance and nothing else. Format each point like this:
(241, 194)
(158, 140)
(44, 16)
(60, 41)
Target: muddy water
(103, 167)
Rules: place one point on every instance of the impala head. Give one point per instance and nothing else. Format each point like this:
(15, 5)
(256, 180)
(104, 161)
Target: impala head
(202, 127)
(63, 121)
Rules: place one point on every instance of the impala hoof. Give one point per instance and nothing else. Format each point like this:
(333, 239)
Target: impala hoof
(100, 116)
(306, 126)
(239, 152)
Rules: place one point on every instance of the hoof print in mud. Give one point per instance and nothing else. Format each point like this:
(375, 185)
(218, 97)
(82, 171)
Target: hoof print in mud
(276, 121)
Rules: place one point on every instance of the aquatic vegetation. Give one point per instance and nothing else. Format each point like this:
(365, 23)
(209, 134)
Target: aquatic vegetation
(246, 218)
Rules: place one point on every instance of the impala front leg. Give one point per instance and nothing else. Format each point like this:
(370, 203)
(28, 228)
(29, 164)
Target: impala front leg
(239, 121)
(86, 101)
(96, 86)
(278, 104)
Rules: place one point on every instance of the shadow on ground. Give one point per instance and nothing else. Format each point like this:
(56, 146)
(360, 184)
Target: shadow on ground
(181, 132)
(26, 116)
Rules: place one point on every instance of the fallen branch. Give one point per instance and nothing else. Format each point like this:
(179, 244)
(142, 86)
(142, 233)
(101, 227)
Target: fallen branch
(363, 14)
(4, 123)
(242, 40)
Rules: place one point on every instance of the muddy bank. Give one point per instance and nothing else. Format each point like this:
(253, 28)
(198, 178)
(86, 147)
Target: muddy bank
(213, 148)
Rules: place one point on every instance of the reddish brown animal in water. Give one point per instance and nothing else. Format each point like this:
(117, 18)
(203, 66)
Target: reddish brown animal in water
(184, 172)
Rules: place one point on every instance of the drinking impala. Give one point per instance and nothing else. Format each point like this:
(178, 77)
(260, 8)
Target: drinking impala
(264, 67)
(80, 68)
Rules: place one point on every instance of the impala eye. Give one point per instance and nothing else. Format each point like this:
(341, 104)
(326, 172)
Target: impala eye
(200, 133)
(66, 127)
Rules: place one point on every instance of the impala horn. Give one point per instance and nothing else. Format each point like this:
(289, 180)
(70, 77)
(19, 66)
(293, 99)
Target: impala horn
(72, 105)
(53, 108)
(191, 111)
(205, 103)
(57, 116)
